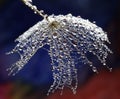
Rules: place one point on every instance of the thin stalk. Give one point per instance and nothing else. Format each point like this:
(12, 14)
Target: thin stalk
(34, 8)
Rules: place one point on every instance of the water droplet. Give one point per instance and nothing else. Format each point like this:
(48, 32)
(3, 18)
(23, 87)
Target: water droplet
(55, 35)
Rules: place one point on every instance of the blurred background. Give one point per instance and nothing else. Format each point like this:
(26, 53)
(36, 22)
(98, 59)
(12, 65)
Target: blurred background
(33, 81)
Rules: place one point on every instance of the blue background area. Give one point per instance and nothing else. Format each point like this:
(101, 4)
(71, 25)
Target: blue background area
(16, 18)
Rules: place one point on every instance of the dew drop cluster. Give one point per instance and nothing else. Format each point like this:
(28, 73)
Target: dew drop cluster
(69, 39)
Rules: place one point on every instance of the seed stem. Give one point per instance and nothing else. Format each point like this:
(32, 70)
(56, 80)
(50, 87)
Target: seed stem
(34, 8)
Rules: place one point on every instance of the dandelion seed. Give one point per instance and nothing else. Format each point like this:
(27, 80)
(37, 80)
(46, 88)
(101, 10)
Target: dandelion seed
(69, 38)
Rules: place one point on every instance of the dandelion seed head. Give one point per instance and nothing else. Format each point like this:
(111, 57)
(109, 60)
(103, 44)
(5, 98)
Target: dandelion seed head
(69, 38)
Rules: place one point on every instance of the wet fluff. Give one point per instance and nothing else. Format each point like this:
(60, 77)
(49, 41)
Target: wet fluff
(69, 39)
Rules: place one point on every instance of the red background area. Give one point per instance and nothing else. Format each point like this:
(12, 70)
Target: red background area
(106, 85)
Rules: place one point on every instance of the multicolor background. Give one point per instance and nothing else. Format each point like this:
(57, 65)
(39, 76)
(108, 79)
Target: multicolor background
(33, 81)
